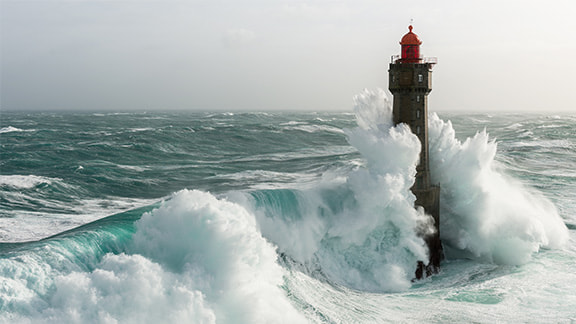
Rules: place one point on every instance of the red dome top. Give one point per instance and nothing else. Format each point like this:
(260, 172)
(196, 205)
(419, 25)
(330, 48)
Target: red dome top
(410, 38)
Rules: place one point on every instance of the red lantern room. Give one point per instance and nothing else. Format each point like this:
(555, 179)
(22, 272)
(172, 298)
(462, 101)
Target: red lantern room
(410, 48)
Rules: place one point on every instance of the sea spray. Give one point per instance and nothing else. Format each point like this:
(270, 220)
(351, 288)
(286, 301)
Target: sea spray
(365, 238)
(216, 244)
(194, 259)
(98, 278)
(485, 213)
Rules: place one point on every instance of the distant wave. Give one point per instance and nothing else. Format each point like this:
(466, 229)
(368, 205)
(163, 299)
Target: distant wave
(10, 129)
(141, 129)
(313, 128)
(292, 232)
(24, 181)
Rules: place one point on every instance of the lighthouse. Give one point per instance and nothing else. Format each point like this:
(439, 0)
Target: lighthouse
(410, 81)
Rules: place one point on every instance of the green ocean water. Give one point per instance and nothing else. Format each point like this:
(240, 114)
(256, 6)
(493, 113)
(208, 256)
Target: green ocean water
(63, 164)
(276, 217)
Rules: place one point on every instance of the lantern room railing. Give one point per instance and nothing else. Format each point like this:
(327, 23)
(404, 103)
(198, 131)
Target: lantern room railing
(430, 60)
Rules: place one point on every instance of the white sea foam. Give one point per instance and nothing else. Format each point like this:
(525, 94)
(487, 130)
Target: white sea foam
(486, 213)
(195, 259)
(217, 243)
(9, 129)
(132, 167)
(370, 242)
(141, 129)
(22, 225)
(301, 154)
(260, 179)
(25, 181)
(203, 260)
(312, 128)
(293, 122)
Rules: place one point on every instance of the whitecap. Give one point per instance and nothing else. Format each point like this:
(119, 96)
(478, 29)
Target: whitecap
(314, 128)
(132, 167)
(24, 181)
(484, 212)
(10, 129)
(143, 129)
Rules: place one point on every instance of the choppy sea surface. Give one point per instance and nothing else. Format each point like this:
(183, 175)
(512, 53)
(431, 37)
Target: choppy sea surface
(171, 217)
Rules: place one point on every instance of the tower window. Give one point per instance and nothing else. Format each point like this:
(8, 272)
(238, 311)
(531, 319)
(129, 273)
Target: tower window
(418, 98)
(420, 78)
(418, 130)
(418, 113)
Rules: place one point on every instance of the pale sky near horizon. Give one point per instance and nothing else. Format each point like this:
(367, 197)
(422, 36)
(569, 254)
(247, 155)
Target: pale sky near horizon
(493, 55)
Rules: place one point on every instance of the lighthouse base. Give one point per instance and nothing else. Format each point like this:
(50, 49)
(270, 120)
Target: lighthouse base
(429, 199)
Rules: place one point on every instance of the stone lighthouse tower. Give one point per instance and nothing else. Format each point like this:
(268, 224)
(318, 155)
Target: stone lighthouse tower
(410, 81)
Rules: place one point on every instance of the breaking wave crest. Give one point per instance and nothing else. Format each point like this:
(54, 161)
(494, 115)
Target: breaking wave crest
(10, 129)
(193, 259)
(204, 259)
(25, 182)
(360, 233)
(487, 214)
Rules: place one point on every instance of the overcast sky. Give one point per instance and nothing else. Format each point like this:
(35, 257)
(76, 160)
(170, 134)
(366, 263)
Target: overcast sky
(493, 55)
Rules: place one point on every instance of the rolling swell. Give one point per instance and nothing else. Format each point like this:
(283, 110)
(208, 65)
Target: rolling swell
(30, 270)
(306, 228)
(190, 258)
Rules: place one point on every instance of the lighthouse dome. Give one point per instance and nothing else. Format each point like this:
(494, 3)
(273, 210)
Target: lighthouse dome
(410, 38)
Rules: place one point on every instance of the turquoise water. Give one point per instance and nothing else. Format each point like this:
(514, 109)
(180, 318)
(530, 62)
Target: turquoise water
(283, 217)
